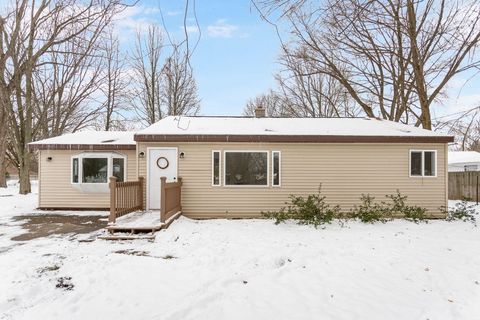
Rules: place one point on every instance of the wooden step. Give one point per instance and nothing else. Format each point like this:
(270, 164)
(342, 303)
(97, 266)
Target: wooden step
(138, 229)
(137, 232)
(128, 237)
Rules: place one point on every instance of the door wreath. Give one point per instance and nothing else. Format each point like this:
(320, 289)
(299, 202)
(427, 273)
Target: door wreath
(166, 163)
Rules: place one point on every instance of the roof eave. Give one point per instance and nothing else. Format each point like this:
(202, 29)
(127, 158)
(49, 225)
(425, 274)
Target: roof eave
(81, 147)
(290, 138)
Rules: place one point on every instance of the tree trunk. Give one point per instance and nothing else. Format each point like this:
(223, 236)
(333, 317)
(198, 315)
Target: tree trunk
(3, 157)
(417, 63)
(3, 136)
(24, 153)
(24, 172)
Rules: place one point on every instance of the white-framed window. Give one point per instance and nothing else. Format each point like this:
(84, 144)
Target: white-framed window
(216, 165)
(97, 167)
(246, 168)
(423, 163)
(470, 167)
(276, 168)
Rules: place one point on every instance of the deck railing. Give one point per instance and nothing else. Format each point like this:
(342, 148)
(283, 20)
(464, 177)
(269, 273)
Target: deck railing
(170, 198)
(125, 197)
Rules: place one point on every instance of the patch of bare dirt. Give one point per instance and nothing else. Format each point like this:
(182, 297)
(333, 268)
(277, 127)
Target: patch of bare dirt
(45, 225)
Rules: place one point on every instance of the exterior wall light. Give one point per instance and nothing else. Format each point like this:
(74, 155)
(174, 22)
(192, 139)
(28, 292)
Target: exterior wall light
(141, 155)
(182, 155)
(49, 158)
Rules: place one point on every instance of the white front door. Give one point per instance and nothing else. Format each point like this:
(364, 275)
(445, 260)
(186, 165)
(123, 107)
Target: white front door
(162, 162)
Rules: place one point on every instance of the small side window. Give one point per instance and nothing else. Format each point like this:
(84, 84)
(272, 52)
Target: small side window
(276, 168)
(75, 170)
(470, 167)
(119, 169)
(423, 163)
(215, 168)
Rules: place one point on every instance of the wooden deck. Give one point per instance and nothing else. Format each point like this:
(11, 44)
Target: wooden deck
(138, 225)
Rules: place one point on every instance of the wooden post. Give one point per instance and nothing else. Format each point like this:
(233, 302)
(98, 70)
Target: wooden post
(180, 183)
(113, 198)
(163, 200)
(477, 189)
(140, 192)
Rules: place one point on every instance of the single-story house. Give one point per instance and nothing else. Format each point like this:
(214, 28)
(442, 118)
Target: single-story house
(241, 166)
(463, 161)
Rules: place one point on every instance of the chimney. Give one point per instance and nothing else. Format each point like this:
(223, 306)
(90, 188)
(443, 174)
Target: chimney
(260, 112)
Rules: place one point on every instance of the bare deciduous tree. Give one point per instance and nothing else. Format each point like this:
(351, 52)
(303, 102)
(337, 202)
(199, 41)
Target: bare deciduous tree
(147, 73)
(115, 85)
(162, 86)
(301, 93)
(65, 83)
(465, 126)
(271, 101)
(311, 94)
(3, 140)
(5, 94)
(393, 57)
(31, 30)
(179, 89)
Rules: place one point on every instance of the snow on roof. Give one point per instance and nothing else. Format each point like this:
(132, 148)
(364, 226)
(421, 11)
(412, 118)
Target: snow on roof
(239, 126)
(463, 157)
(90, 138)
(176, 125)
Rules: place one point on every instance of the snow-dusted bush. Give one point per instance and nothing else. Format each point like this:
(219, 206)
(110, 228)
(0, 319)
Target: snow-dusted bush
(312, 210)
(399, 207)
(315, 211)
(370, 211)
(463, 211)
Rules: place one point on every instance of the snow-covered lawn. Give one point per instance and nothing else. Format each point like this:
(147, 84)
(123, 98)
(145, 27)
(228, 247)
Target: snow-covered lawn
(243, 269)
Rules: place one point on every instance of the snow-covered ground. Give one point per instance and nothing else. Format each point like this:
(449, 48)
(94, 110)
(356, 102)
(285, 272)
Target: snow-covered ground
(243, 269)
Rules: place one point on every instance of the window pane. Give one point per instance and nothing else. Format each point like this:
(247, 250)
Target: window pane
(416, 163)
(471, 167)
(119, 169)
(246, 168)
(276, 168)
(216, 168)
(95, 170)
(75, 170)
(429, 163)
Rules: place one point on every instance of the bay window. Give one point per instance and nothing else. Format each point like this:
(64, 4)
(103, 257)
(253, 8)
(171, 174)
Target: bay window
(97, 167)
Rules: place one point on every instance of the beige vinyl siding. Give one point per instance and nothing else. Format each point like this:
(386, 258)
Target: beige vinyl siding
(56, 189)
(344, 171)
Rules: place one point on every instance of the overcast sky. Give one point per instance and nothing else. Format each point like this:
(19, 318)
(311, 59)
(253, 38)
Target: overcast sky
(237, 53)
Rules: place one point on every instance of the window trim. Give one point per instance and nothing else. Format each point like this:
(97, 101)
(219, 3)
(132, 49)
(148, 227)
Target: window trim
(279, 168)
(219, 169)
(79, 178)
(422, 151)
(108, 155)
(245, 185)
